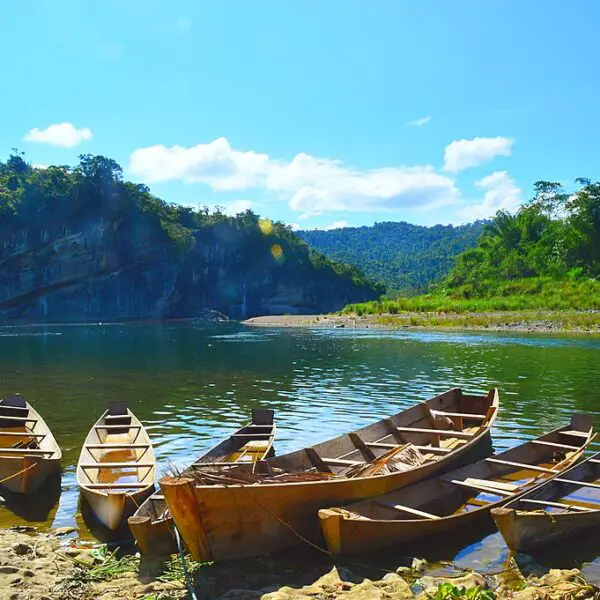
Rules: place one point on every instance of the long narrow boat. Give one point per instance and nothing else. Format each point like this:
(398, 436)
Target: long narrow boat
(29, 453)
(455, 500)
(116, 468)
(234, 515)
(550, 513)
(152, 525)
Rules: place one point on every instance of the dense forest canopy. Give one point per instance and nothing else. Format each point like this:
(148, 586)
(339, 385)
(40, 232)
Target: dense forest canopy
(243, 262)
(405, 258)
(555, 235)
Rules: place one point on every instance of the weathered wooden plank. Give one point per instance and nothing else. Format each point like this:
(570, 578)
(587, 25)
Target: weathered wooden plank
(518, 465)
(407, 509)
(555, 445)
(116, 465)
(556, 504)
(462, 435)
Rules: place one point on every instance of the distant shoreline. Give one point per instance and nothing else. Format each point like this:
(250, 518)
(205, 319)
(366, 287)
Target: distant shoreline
(587, 322)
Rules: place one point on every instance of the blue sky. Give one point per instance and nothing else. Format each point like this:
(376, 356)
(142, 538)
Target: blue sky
(316, 113)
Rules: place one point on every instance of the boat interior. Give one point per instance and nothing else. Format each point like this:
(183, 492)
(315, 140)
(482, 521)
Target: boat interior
(249, 444)
(21, 430)
(117, 455)
(577, 490)
(436, 428)
(482, 484)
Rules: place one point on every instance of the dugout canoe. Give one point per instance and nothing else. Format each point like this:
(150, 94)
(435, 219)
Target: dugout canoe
(116, 468)
(152, 525)
(29, 453)
(456, 500)
(563, 507)
(220, 519)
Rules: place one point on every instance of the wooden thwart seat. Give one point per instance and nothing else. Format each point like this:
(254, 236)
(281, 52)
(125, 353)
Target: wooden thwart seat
(463, 435)
(578, 483)
(25, 451)
(126, 427)
(117, 486)
(555, 445)
(23, 434)
(459, 415)
(482, 485)
(116, 446)
(340, 462)
(433, 449)
(524, 466)
(556, 505)
(116, 465)
(574, 433)
(407, 509)
(18, 419)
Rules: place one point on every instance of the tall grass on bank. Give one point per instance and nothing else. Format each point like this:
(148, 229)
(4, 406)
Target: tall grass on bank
(534, 293)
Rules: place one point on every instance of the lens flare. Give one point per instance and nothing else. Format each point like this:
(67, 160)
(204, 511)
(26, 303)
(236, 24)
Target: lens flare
(266, 226)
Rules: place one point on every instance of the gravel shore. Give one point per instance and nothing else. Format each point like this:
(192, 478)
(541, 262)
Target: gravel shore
(35, 566)
(527, 321)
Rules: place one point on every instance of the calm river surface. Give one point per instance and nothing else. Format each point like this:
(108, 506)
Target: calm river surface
(191, 386)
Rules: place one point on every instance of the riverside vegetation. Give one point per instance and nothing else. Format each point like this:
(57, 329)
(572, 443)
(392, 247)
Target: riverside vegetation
(542, 262)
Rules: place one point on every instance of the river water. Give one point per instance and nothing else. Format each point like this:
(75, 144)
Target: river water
(192, 385)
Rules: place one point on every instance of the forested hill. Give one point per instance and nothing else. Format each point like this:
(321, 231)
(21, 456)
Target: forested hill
(81, 244)
(401, 256)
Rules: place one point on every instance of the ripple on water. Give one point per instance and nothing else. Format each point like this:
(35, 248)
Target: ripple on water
(193, 387)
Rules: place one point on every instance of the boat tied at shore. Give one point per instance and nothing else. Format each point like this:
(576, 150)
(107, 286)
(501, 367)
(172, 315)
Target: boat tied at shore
(116, 468)
(235, 513)
(152, 525)
(29, 453)
(455, 500)
(563, 507)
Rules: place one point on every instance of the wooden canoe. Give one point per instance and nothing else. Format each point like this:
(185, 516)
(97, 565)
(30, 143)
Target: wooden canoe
(116, 468)
(220, 522)
(29, 453)
(152, 525)
(455, 500)
(562, 507)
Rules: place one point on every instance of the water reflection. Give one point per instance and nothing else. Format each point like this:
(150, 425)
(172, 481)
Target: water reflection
(192, 385)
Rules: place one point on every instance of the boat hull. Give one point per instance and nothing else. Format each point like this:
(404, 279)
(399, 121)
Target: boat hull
(361, 527)
(152, 525)
(112, 509)
(223, 523)
(26, 475)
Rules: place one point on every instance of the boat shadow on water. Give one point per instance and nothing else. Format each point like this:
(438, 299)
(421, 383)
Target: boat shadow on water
(35, 508)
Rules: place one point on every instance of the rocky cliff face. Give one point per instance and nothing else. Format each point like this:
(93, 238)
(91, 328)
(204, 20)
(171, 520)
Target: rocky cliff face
(100, 272)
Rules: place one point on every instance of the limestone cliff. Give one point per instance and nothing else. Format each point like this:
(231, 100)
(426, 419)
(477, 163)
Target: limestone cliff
(85, 275)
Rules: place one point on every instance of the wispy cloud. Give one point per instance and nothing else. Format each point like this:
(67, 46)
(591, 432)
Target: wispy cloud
(63, 135)
(464, 154)
(419, 122)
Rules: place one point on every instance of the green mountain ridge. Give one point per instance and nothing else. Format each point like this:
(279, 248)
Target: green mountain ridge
(405, 258)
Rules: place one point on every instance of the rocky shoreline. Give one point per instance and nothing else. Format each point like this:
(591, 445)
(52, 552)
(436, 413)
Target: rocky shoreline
(53, 567)
(527, 321)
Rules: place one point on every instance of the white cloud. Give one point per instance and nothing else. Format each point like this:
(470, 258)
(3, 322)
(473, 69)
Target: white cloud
(501, 193)
(63, 135)
(464, 154)
(336, 225)
(419, 122)
(311, 185)
(40, 166)
(183, 24)
(295, 226)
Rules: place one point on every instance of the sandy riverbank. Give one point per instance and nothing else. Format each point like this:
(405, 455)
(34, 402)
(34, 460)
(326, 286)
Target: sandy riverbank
(52, 567)
(532, 321)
